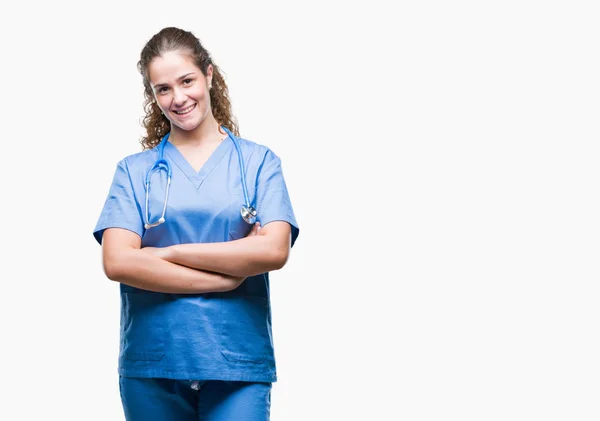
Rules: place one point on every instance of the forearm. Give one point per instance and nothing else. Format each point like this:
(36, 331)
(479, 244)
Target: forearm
(244, 257)
(139, 269)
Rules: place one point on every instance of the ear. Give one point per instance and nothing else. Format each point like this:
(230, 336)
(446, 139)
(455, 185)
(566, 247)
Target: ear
(209, 75)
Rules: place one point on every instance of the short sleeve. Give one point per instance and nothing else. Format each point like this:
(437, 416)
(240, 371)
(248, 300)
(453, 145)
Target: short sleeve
(120, 209)
(272, 199)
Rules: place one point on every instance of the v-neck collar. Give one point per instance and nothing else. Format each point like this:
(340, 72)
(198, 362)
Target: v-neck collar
(197, 178)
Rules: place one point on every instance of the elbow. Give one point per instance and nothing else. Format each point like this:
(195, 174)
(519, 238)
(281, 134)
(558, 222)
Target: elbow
(279, 258)
(112, 272)
(113, 269)
(273, 260)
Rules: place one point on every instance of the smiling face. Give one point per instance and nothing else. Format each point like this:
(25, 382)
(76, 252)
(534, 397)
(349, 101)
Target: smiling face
(180, 89)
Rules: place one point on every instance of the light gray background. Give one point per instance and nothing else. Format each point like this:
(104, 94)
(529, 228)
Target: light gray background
(442, 159)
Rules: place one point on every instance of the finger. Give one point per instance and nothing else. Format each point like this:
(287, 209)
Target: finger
(252, 231)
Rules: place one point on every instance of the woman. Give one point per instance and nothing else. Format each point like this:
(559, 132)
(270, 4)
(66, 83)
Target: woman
(191, 256)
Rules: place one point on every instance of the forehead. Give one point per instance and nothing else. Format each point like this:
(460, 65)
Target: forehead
(169, 66)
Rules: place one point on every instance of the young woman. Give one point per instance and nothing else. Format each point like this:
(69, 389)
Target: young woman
(191, 228)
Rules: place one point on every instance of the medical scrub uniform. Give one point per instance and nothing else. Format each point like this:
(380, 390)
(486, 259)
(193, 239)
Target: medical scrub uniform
(184, 350)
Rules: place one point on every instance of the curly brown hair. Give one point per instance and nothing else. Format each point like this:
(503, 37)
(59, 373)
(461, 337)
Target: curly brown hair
(175, 39)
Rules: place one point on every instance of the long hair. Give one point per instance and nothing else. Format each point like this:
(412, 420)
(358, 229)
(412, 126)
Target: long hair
(175, 39)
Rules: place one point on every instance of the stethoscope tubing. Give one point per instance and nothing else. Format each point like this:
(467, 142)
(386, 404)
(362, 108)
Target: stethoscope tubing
(248, 212)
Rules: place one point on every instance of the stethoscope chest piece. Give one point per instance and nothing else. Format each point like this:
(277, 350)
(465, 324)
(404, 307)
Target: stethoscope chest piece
(249, 214)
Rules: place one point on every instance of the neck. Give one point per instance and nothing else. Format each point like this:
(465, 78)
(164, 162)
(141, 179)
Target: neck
(207, 132)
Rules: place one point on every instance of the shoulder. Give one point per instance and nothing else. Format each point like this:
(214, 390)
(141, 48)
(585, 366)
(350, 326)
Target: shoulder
(256, 151)
(139, 160)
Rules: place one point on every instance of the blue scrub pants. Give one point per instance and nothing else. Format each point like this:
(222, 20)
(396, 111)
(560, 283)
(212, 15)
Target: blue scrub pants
(183, 400)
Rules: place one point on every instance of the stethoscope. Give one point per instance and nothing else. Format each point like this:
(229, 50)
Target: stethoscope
(248, 212)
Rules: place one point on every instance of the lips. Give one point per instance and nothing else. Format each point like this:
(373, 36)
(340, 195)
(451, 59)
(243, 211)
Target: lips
(185, 111)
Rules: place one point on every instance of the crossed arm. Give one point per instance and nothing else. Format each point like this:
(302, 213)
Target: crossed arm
(194, 268)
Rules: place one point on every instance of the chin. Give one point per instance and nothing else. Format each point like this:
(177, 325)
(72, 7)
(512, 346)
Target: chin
(188, 125)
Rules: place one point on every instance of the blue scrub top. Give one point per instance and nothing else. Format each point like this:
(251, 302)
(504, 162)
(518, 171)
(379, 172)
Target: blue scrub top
(213, 336)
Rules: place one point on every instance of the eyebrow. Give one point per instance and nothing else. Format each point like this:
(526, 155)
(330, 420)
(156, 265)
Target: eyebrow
(158, 85)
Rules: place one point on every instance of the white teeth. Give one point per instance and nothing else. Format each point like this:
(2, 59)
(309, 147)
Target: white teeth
(185, 111)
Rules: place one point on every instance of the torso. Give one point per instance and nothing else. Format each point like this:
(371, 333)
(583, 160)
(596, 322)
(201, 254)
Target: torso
(213, 336)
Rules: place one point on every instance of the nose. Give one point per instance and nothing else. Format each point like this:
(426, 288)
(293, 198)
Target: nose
(179, 97)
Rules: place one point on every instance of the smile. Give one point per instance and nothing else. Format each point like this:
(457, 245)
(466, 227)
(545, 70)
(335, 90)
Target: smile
(185, 110)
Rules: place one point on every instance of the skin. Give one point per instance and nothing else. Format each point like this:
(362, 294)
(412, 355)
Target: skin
(179, 85)
(263, 250)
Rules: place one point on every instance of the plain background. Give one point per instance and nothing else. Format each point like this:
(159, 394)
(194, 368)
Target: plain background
(442, 159)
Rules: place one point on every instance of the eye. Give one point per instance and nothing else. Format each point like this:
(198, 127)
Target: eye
(187, 81)
(162, 89)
